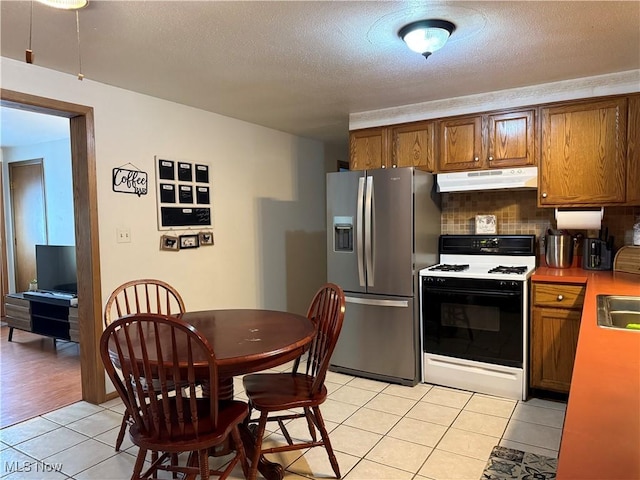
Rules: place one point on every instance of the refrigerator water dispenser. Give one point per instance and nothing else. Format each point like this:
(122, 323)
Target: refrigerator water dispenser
(343, 234)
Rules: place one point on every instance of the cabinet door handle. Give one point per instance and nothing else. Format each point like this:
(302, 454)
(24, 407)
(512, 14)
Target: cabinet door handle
(476, 159)
(384, 166)
(544, 195)
(560, 298)
(490, 158)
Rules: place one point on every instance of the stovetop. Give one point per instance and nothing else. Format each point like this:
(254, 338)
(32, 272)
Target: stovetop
(500, 257)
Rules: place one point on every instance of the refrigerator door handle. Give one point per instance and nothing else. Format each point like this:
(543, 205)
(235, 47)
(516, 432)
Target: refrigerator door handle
(360, 231)
(368, 225)
(378, 303)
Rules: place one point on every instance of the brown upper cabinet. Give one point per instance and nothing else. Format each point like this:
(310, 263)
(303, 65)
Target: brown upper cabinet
(461, 144)
(494, 140)
(368, 148)
(588, 151)
(584, 154)
(633, 151)
(412, 145)
(405, 145)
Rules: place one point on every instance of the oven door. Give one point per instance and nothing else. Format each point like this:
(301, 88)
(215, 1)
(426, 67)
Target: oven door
(474, 319)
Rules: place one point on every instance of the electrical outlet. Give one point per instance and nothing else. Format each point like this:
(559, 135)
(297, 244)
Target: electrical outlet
(123, 235)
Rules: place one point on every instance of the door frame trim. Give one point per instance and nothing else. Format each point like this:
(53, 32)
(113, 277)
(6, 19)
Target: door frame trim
(83, 166)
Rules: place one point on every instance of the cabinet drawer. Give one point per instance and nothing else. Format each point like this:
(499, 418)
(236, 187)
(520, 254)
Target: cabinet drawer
(18, 312)
(18, 319)
(18, 302)
(558, 295)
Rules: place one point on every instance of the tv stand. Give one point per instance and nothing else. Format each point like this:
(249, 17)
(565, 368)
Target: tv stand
(42, 316)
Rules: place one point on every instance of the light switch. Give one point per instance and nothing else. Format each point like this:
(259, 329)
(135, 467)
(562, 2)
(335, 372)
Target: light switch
(123, 235)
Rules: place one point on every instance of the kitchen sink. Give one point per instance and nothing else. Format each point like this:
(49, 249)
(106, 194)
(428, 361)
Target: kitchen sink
(617, 311)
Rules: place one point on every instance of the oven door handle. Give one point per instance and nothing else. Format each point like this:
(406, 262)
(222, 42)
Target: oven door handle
(482, 293)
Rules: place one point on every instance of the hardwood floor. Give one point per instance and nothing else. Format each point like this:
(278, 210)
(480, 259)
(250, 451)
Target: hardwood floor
(35, 378)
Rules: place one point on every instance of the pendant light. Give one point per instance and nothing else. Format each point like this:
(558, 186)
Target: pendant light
(426, 36)
(62, 5)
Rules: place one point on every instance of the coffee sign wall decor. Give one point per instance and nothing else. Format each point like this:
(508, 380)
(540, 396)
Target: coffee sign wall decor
(126, 180)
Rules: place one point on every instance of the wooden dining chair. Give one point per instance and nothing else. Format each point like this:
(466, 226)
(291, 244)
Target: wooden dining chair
(169, 421)
(140, 296)
(270, 393)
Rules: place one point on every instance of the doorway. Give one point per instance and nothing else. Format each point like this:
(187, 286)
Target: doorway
(86, 230)
(28, 212)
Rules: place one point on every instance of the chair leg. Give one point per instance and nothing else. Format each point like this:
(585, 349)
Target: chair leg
(242, 455)
(203, 460)
(253, 471)
(312, 430)
(123, 429)
(327, 442)
(137, 469)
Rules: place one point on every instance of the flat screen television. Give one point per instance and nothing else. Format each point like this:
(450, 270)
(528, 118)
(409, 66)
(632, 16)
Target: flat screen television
(56, 268)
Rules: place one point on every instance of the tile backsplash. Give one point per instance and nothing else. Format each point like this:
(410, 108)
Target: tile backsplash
(517, 212)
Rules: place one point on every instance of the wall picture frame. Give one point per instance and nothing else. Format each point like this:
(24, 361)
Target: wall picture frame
(189, 241)
(170, 243)
(206, 238)
(486, 224)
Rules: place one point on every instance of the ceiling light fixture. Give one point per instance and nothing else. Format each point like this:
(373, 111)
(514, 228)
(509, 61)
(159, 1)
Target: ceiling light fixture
(426, 36)
(65, 4)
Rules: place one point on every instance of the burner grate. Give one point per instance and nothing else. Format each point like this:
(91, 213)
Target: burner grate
(503, 269)
(450, 268)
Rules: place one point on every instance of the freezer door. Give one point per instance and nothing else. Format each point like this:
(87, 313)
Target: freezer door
(389, 245)
(378, 339)
(345, 230)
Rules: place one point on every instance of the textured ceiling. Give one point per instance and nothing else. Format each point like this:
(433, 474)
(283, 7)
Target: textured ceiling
(303, 67)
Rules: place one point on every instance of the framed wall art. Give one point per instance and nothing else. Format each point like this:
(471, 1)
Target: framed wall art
(169, 242)
(206, 238)
(184, 193)
(189, 241)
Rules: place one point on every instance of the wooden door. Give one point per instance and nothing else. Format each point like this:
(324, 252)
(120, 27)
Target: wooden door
(461, 144)
(412, 146)
(511, 139)
(584, 154)
(29, 218)
(368, 148)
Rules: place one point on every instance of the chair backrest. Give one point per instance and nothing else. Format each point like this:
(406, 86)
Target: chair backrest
(139, 347)
(327, 312)
(143, 296)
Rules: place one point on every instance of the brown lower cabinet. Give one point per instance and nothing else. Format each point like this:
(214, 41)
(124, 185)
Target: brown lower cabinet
(555, 323)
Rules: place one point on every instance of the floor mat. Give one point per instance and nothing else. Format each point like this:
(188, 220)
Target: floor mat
(510, 464)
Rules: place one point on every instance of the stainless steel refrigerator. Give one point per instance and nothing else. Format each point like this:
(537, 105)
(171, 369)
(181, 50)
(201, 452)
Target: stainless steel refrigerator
(382, 228)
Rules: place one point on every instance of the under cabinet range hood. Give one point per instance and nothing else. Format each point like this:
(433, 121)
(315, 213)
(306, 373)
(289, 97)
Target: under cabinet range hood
(513, 178)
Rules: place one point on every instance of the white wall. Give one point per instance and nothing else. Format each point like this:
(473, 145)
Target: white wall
(58, 187)
(267, 196)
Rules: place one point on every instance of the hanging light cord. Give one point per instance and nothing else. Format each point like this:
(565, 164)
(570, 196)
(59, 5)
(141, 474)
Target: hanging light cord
(29, 52)
(80, 75)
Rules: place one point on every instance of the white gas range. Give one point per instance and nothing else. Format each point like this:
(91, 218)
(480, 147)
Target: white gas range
(475, 313)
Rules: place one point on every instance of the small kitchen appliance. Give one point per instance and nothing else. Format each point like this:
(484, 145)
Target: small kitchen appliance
(597, 254)
(475, 314)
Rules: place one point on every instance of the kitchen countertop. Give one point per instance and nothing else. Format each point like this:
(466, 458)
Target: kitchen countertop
(601, 434)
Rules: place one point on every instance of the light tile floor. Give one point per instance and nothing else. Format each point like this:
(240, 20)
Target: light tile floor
(378, 431)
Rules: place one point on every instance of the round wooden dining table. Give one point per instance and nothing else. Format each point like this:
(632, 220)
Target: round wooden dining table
(247, 341)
